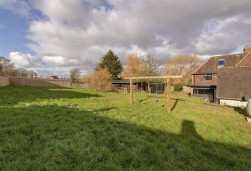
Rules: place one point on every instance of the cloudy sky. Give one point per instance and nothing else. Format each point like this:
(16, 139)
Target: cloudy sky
(52, 36)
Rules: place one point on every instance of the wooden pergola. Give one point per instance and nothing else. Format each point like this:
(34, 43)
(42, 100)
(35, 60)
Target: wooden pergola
(168, 79)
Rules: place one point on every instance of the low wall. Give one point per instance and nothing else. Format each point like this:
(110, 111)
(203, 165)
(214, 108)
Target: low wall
(4, 81)
(233, 103)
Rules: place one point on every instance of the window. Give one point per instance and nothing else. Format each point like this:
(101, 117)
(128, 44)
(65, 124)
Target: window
(221, 63)
(208, 77)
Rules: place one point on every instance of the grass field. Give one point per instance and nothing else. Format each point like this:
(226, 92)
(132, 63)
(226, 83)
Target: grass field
(74, 129)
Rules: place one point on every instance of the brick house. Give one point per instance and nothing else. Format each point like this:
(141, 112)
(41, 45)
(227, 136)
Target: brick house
(224, 79)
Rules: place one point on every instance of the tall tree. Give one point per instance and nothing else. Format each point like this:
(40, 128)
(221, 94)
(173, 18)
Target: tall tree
(74, 75)
(183, 65)
(112, 63)
(134, 66)
(150, 65)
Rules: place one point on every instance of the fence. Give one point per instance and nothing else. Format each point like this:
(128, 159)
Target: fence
(5, 81)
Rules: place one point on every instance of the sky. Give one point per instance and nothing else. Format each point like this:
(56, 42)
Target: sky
(53, 36)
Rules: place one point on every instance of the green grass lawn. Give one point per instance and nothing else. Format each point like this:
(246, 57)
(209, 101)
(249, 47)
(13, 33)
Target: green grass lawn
(74, 129)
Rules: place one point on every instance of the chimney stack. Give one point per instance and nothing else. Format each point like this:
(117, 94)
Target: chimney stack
(247, 49)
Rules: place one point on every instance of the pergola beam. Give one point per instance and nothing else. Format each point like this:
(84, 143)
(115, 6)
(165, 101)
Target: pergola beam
(153, 77)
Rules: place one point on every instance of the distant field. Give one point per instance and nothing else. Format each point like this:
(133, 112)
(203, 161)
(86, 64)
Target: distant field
(74, 129)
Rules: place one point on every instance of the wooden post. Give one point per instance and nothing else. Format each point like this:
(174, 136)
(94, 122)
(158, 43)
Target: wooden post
(169, 95)
(131, 91)
(169, 79)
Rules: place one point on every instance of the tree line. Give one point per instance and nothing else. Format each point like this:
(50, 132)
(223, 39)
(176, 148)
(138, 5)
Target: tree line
(110, 68)
(8, 69)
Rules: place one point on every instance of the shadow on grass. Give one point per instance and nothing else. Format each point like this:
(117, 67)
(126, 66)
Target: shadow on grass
(175, 103)
(61, 138)
(13, 95)
(241, 111)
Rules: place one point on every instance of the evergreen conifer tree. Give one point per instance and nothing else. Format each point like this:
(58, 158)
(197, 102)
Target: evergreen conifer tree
(112, 63)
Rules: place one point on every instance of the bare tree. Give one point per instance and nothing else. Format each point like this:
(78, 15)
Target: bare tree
(74, 75)
(134, 66)
(5, 66)
(150, 66)
(183, 65)
(31, 74)
(100, 80)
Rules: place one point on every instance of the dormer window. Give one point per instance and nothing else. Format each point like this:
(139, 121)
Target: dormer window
(221, 63)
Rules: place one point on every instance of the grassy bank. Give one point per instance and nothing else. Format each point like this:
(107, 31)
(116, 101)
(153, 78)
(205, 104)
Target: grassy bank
(66, 129)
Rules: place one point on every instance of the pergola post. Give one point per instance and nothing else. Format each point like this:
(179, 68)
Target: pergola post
(131, 91)
(168, 88)
(169, 95)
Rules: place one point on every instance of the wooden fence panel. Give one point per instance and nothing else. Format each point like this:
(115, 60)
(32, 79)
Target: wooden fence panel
(39, 83)
(4, 81)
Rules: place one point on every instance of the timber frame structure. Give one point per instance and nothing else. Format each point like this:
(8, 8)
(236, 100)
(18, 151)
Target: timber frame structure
(168, 80)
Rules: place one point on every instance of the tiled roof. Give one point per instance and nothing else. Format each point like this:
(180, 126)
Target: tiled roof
(211, 65)
(234, 82)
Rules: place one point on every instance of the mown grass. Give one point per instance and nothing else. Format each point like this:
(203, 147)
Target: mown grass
(74, 129)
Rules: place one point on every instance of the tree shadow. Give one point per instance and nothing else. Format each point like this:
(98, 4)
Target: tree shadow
(13, 95)
(60, 138)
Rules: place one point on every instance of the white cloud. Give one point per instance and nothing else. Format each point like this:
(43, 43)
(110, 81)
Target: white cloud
(226, 37)
(60, 61)
(55, 65)
(17, 6)
(166, 25)
(21, 60)
(80, 32)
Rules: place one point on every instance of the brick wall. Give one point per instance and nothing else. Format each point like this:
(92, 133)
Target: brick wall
(199, 79)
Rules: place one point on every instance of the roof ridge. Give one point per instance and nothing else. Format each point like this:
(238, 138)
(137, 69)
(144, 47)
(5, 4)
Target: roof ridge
(226, 55)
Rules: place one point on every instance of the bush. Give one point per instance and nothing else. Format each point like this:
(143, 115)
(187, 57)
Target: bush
(100, 80)
(178, 87)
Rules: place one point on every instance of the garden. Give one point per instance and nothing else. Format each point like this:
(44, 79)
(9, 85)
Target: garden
(76, 129)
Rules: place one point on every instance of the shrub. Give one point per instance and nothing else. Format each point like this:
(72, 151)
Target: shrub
(178, 87)
(86, 80)
(100, 80)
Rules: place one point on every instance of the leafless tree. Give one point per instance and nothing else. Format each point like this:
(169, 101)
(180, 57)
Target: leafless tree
(74, 75)
(134, 66)
(5, 66)
(182, 65)
(150, 66)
